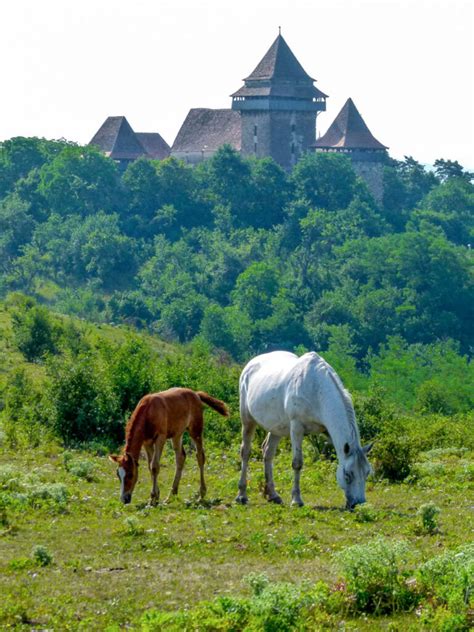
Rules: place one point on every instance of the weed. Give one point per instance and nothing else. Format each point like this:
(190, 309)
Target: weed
(257, 582)
(133, 527)
(82, 468)
(365, 513)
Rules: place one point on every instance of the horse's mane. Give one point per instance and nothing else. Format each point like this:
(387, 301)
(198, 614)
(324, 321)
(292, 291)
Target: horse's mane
(134, 417)
(346, 400)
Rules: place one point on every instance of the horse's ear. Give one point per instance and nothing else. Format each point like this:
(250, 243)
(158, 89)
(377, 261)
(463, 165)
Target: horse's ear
(367, 448)
(347, 449)
(114, 458)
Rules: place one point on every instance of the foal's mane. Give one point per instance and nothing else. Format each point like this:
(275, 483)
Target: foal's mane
(134, 417)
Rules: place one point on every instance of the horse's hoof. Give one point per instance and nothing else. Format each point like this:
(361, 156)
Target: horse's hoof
(297, 503)
(242, 500)
(276, 500)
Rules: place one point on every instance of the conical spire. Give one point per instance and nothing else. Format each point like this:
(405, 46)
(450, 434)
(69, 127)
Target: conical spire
(279, 62)
(349, 131)
(279, 74)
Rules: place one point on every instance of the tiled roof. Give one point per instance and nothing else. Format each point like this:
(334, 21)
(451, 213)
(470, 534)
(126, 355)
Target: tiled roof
(118, 140)
(349, 131)
(207, 130)
(279, 63)
(279, 74)
(154, 145)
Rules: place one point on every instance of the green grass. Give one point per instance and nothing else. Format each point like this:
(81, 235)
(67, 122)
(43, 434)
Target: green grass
(109, 564)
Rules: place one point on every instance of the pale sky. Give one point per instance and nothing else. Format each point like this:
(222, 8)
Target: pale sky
(407, 64)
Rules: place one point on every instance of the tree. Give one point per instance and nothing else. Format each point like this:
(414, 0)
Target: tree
(80, 180)
(325, 180)
(18, 156)
(448, 169)
(255, 288)
(228, 180)
(270, 194)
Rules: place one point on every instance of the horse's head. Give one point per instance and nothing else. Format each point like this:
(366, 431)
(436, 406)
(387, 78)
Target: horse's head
(127, 473)
(352, 473)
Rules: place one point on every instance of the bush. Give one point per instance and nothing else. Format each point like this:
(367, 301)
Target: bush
(84, 406)
(375, 576)
(41, 555)
(393, 455)
(428, 515)
(448, 580)
(35, 332)
(25, 410)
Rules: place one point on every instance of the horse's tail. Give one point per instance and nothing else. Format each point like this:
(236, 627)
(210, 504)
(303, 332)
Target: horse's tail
(214, 403)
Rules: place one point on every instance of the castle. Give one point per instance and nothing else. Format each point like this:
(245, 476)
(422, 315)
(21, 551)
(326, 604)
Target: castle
(273, 114)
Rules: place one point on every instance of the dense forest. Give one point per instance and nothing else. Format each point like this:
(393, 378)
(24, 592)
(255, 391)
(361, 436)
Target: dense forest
(246, 258)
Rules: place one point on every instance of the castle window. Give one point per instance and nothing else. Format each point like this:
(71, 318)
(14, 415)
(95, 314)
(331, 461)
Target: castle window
(293, 127)
(254, 130)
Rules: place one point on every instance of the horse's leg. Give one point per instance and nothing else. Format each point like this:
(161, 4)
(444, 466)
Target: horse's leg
(153, 453)
(248, 430)
(195, 432)
(180, 456)
(269, 448)
(297, 434)
(201, 459)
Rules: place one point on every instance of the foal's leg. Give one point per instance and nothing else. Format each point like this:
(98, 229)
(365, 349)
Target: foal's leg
(180, 456)
(248, 430)
(297, 434)
(153, 453)
(201, 459)
(269, 449)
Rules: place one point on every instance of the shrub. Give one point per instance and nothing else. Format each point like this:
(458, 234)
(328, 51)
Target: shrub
(373, 413)
(84, 406)
(41, 555)
(428, 515)
(35, 332)
(375, 576)
(25, 411)
(393, 456)
(448, 580)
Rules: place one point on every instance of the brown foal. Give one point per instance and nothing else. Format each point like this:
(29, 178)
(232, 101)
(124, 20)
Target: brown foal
(158, 417)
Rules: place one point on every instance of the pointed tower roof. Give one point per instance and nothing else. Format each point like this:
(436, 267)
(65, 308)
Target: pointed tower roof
(279, 74)
(118, 140)
(279, 62)
(349, 131)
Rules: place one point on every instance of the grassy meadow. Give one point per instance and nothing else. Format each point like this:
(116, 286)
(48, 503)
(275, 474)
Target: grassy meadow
(72, 557)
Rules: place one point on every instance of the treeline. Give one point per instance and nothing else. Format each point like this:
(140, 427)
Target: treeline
(62, 379)
(246, 257)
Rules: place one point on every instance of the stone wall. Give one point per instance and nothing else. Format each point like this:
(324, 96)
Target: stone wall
(372, 173)
(283, 135)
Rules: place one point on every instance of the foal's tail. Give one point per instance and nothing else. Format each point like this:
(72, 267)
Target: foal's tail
(214, 403)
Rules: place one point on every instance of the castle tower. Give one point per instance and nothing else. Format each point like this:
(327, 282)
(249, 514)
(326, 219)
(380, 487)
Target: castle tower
(278, 105)
(350, 135)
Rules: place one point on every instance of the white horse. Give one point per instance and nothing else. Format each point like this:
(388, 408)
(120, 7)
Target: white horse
(292, 396)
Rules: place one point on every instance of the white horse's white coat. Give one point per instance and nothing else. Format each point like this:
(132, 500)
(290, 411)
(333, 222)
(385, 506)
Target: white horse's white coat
(293, 396)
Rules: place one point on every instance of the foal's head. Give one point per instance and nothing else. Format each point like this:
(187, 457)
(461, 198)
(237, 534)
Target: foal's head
(127, 473)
